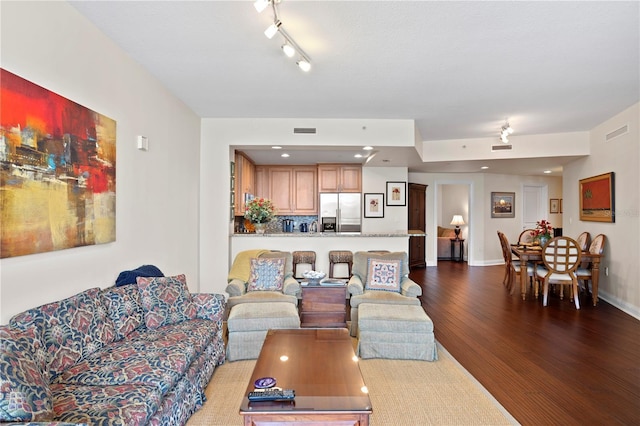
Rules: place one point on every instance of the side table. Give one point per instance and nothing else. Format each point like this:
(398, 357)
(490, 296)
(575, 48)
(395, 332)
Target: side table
(460, 242)
(323, 306)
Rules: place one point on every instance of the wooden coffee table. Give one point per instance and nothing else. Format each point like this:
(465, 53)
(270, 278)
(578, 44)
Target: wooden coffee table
(321, 366)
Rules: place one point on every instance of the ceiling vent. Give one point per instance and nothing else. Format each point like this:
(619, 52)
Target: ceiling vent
(501, 147)
(619, 132)
(304, 130)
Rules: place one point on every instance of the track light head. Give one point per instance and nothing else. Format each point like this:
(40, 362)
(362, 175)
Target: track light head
(261, 5)
(272, 30)
(304, 65)
(288, 50)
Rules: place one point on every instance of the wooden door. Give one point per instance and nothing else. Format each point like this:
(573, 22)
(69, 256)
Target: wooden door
(417, 222)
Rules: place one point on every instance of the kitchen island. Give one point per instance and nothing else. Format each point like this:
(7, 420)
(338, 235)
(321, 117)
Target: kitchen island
(321, 243)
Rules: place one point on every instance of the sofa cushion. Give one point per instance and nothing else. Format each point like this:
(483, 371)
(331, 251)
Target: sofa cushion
(383, 275)
(71, 329)
(166, 300)
(124, 308)
(24, 392)
(267, 274)
(288, 260)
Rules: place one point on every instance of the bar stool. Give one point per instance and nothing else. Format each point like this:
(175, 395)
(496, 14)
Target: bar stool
(304, 257)
(340, 256)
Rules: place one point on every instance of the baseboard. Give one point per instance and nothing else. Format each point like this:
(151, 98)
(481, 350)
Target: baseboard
(634, 311)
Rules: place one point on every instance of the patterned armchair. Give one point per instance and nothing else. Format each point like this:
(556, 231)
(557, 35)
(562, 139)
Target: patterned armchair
(380, 278)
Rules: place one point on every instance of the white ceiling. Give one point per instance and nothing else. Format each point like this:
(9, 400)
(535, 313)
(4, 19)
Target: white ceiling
(459, 69)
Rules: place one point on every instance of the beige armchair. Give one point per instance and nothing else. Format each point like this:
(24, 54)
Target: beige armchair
(239, 276)
(362, 290)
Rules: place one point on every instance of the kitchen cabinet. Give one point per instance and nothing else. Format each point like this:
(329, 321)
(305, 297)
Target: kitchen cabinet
(244, 181)
(339, 178)
(293, 189)
(417, 222)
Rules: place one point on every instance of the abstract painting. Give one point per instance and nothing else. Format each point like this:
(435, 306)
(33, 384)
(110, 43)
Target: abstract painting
(57, 171)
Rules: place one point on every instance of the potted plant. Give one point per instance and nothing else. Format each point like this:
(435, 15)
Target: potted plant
(259, 212)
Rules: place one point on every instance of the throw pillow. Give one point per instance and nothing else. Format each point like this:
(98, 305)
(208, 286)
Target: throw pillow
(24, 393)
(266, 274)
(383, 275)
(124, 308)
(165, 300)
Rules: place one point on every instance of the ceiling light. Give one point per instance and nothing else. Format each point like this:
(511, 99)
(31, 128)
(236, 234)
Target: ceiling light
(504, 139)
(505, 131)
(288, 50)
(547, 172)
(272, 30)
(261, 5)
(484, 167)
(304, 65)
(276, 147)
(368, 148)
(284, 155)
(358, 155)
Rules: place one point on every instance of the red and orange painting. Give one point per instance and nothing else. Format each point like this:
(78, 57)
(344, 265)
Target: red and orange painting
(57, 171)
(597, 198)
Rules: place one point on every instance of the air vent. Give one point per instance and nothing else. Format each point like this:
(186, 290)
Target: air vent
(304, 130)
(501, 147)
(621, 131)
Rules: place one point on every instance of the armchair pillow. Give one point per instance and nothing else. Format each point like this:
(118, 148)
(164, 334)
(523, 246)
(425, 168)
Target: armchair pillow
(267, 274)
(166, 300)
(383, 275)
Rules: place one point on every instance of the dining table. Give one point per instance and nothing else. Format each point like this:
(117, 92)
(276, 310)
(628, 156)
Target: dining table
(531, 253)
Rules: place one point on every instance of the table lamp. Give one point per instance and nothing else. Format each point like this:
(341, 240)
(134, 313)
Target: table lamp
(457, 221)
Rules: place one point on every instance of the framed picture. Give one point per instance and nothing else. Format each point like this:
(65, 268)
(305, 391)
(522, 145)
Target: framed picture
(597, 201)
(396, 193)
(554, 205)
(503, 204)
(374, 205)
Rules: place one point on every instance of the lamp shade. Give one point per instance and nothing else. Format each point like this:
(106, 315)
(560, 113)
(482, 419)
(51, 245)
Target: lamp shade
(457, 220)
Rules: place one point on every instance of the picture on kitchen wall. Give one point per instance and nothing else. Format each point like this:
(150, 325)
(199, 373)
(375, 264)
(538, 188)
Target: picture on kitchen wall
(374, 205)
(503, 204)
(57, 171)
(396, 193)
(597, 201)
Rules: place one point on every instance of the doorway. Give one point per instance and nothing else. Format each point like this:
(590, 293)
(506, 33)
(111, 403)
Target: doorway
(534, 207)
(454, 198)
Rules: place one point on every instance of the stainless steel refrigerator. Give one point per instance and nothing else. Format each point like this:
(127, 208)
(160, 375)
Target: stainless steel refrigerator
(340, 212)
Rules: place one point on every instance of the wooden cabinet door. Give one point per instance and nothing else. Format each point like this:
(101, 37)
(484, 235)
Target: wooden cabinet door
(351, 178)
(417, 222)
(280, 188)
(304, 194)
(328, 178)
(262, 182)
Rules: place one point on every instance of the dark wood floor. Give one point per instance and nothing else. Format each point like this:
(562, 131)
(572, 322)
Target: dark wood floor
(545, 365)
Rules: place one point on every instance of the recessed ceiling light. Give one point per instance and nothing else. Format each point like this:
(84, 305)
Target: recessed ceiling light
(368, 148)
(276, 147)
(358, 155)
(547, 172)
(484, 167)
(284, 154)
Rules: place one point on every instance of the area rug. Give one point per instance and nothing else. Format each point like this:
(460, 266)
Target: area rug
(402, 393)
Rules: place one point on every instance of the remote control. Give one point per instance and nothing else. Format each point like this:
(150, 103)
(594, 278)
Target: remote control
(272, 395)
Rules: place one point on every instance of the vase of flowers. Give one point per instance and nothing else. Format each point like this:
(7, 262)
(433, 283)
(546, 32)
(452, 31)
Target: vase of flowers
(259, 212)
(543, 232)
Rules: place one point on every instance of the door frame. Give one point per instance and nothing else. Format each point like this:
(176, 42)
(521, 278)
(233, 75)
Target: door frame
(469, 241)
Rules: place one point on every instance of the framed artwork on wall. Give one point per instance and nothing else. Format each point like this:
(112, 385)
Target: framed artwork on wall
(374, 205)
(396, 193)
(554, 205)
(597, 198)
(503, 204)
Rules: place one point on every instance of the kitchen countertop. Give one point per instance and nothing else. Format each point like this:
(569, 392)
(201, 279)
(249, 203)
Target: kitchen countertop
(329, 234)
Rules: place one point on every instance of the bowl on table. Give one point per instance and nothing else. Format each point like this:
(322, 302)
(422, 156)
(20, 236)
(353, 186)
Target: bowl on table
(314, 277)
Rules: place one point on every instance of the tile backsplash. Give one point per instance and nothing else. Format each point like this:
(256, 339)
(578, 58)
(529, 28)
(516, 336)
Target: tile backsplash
(276, 225)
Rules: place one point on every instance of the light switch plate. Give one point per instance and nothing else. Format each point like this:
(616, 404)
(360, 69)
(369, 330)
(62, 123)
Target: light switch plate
(143, 143)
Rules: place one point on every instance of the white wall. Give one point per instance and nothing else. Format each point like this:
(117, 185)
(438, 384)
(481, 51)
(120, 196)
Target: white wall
(621, 156)
(52, 45)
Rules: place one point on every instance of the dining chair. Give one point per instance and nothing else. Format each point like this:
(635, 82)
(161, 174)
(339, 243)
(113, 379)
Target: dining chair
(525, 236)
(583, 273)
(584, 240)
(561, 257)
(512, 268)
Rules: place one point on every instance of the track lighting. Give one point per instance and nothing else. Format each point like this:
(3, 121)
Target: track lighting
(504, 132)
(290, 48)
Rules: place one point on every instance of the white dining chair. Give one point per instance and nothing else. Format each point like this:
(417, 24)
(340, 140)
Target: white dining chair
(561, 257)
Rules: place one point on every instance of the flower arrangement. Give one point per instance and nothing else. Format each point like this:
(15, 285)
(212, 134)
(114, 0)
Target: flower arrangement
(259, 210)
(543, 230)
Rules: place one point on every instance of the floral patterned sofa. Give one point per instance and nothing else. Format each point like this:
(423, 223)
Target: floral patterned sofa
(139, 354)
